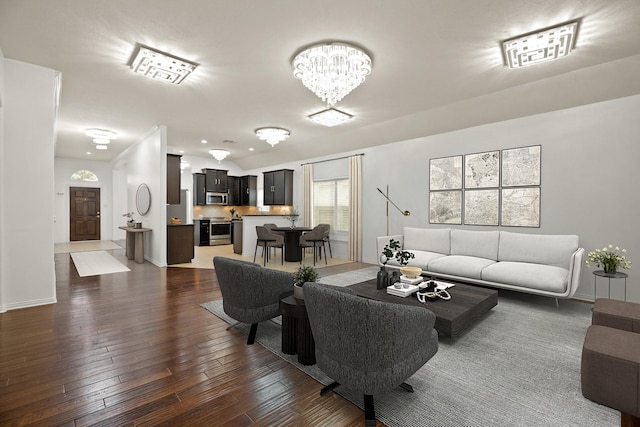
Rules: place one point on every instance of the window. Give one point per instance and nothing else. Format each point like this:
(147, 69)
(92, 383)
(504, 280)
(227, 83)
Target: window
(331, 204)
(84, 175)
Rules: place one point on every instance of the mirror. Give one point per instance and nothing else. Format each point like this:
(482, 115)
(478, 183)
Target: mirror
(143, 199)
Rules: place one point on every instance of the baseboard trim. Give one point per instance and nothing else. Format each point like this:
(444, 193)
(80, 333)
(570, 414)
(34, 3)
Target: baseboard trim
(27, 304)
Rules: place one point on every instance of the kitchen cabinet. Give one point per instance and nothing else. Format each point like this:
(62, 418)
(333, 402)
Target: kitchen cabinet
(202, 232)
(180, 244)
(236, 227)
(278, 187)
(199, 189)
(233, 185)
(173, 179)
(216, 180)
(249, 190)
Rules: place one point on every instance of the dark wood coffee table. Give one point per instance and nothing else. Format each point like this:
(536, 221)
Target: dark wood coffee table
(467, 304)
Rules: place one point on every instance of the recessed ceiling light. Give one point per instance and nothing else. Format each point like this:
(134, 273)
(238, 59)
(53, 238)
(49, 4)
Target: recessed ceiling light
(101, 133)
(330, 117)
(181, 151)
(101, 141)
(251, 149)
(88, 153)
(161, 65)
(204, 141)
(540, 46)
(101, 147)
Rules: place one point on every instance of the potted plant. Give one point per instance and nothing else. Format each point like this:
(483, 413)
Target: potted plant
(293, 216)
(611, 259)
(130, 221)
(392, 250)
(305, 273)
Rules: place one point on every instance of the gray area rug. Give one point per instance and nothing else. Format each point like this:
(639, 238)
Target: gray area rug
(517, 366)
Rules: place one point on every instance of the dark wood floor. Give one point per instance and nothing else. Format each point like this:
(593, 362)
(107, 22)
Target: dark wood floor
(136, 348)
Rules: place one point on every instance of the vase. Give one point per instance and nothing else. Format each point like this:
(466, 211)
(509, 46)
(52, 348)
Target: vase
(131, 223)
(382, 280)
(298, 291)
(610, 267)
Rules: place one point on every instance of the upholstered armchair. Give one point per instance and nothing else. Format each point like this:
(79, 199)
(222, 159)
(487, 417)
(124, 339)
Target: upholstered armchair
(268, 239)
(366, 345)
(250, 293)
(315, 239)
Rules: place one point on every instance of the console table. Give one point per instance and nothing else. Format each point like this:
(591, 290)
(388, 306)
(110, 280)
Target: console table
(135, 243)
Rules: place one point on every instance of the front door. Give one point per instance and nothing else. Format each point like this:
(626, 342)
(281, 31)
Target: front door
(84, 213)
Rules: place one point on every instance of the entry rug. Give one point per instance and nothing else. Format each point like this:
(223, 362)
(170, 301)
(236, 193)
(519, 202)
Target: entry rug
(519, 365)
(96, 262)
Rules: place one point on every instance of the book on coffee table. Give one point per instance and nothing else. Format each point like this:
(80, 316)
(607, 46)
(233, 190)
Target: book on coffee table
(411, 281)
(402, 292)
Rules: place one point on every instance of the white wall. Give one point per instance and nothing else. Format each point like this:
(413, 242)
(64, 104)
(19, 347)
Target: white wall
(64, 168)
(29, 106)
(145, 162)
(589, 178)
(2, 201)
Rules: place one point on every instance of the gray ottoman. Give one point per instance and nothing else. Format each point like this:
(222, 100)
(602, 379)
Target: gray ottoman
(616, 314)
(610, 371)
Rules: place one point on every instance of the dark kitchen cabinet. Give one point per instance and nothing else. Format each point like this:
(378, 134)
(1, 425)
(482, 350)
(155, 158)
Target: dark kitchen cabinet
(233, 184)
(278, 187)
(180, 244)
(201, 232)
(173, 179)
(249, 190)
(199, 189)
(216, 180)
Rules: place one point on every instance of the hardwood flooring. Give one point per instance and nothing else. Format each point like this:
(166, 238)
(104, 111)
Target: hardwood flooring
(135, 348)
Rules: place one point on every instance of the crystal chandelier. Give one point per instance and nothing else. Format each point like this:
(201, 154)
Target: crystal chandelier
(330, 117)
(331, 70)
(272, 135)
(219, 155)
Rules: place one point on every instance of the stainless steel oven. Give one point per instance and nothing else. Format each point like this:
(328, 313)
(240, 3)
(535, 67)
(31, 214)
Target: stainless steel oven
(219, 231)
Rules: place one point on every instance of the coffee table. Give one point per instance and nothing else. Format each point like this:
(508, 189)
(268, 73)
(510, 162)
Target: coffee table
(467, 304)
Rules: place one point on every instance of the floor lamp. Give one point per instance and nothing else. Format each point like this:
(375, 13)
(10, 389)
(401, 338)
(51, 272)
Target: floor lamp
(386, 196)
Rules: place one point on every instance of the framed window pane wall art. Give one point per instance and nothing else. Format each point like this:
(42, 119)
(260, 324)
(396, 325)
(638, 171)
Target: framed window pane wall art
(445, 190)
(481, 207)
(520, 193)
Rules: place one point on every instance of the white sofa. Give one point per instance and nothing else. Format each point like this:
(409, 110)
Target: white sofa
(540, 264)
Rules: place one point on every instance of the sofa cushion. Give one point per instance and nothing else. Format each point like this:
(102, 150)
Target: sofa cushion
(460, 265)
(528, 275)
(427, 239)
(482, 244)
(547, 249)
(422, 259)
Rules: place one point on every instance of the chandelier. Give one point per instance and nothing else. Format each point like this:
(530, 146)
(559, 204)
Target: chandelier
(272, 135)
(331, 70)
(541, 46)
(219, 155)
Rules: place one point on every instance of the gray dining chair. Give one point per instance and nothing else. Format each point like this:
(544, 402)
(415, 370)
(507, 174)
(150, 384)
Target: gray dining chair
(314, 239)
(327, 239)
(365, 345)
(267, 240)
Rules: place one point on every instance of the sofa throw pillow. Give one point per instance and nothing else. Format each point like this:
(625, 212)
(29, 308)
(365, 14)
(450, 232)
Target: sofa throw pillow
(483, 244)
(427, 239)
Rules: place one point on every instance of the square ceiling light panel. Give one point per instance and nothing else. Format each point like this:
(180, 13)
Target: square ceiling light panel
(330, 117)
(540, 46)
(161, 65)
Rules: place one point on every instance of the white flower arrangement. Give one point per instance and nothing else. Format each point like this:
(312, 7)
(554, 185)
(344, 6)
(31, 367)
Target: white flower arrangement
(610, 257)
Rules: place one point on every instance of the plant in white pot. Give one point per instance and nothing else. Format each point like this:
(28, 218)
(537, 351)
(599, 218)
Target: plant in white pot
(305, 273)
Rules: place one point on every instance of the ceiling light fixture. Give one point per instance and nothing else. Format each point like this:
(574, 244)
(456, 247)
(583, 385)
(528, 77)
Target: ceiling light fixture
(101, 147)
(101, 141)
(101, 133)
(540, 46)
(331, 70)
(272, 135)
(219, 155)
(160, 65)
(330, 117)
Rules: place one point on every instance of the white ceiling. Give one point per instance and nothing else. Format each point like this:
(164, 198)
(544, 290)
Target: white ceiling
(437, 67)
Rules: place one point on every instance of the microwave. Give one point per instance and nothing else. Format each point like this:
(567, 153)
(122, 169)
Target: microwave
(216, 198)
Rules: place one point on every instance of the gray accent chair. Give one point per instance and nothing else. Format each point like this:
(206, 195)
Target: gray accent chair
(250, 293)
(366, 345)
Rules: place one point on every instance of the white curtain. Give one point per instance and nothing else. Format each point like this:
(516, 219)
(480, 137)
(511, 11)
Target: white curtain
(355, 211)
(307, 173)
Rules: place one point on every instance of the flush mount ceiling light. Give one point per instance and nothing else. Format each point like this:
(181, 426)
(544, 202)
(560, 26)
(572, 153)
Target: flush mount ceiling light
(101, 133)
(330, 117)
(160, 65)
(540, 46)
(219, 155)
(331, 70)
(272, 135)
(101, 141)
(101, 147)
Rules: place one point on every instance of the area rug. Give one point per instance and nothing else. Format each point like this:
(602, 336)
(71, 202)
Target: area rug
(85, 246)
(517, 366)
(96, 262)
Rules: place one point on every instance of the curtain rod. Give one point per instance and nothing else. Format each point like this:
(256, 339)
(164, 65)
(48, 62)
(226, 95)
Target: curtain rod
(330, 160)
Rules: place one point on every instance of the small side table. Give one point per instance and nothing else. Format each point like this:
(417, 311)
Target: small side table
(617, 275)
(135, 243)
(296, 330)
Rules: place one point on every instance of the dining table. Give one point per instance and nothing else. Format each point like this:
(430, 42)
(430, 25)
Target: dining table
(292, 248)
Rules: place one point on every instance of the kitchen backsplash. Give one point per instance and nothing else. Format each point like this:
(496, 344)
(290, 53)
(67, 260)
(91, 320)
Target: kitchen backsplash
(224, 211)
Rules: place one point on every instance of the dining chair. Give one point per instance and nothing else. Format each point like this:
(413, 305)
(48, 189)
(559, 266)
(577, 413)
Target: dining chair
(314, 239)
(268, 239)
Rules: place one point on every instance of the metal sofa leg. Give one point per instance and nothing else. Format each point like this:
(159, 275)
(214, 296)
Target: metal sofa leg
(252, 334)
(369, 411)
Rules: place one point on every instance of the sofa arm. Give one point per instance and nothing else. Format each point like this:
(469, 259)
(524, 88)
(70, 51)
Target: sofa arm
(383, 241)
(575, 271)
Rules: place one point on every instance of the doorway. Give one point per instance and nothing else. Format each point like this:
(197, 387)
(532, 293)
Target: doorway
(84, 213)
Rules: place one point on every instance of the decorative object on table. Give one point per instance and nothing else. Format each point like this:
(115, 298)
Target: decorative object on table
(137, 225)
(130, 221)
(232, 211)
(293, 216)
(411, 272)
(432, 290)
(175, 220)
(394, 250)
(610, 257)
(305, 273)
(382, 279)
